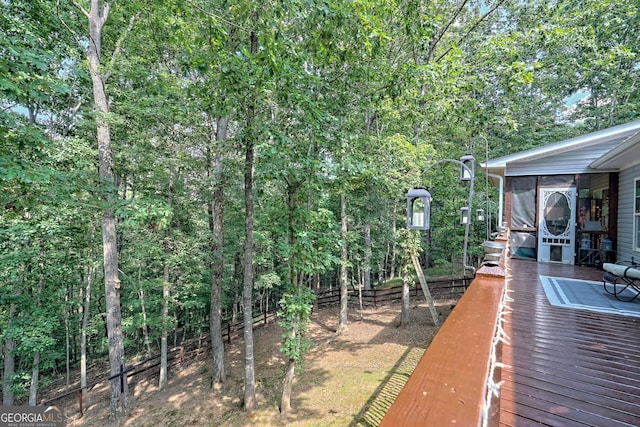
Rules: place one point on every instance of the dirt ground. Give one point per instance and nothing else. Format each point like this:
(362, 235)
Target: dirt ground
(348, 380)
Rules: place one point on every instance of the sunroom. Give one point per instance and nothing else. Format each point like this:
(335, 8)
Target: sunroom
(506, 355)
(562, 199)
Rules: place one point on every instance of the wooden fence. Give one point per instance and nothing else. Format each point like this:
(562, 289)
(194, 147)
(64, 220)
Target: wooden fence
(150, 367)
(443, 288)
(194, 347)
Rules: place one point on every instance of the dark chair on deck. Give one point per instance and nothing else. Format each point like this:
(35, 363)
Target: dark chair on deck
(622, 280)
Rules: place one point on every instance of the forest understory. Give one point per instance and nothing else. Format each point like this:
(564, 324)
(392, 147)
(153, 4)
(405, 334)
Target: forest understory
(347, 380)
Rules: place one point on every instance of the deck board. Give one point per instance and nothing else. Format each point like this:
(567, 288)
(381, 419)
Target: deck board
(562, 366)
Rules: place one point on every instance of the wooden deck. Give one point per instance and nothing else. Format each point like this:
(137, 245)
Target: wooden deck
(566, 367)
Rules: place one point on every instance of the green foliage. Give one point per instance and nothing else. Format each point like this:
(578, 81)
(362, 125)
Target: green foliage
(267, 281)
(294, 315)
(346, 98)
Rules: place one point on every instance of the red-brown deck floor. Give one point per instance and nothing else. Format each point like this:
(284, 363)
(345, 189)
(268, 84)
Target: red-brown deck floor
(562, 366)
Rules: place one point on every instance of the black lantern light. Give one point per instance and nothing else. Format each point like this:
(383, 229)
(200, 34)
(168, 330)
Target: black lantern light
(418, 208)
(467, 167)
(465, 215)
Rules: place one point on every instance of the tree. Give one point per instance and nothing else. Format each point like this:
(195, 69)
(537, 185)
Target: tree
(295, 311)
(344, 284)
(249, 140)
(97, 16)
(216, 225)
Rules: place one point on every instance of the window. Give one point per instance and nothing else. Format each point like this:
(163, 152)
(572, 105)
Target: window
(636, 217)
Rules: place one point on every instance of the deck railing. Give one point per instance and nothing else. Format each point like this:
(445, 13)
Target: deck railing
(453, 382)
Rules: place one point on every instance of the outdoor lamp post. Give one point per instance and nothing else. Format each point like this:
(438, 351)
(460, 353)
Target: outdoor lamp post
(419, 203)
(480, 214)
(418, 208)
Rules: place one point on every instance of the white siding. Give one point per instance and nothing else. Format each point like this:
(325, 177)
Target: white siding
(625, 214)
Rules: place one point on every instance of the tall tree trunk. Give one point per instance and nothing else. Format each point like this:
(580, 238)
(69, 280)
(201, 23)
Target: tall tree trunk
(67, 336)
(164, 335)
(9, 364)
(367, 255)
(216, 224)
(344, 286)
(394, 250)
(249, 372)
(249, 384)
(294, 280)
(143, 309)
(166, 292)
(35, 375)
(83, 329)
(35, 371)
(145, 325)
(97, 16)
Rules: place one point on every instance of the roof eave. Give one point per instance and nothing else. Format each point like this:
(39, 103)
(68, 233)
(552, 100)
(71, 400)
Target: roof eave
(624, 155)
(631, 128)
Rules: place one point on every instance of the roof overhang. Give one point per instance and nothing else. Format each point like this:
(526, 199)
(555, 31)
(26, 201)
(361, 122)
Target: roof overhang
(622, 133)
(625, 155)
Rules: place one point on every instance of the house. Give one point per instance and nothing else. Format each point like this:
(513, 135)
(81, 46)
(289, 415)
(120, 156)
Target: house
(575, 201)
(506, 355)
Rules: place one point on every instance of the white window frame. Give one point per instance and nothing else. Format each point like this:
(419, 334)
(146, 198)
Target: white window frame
(636, 215)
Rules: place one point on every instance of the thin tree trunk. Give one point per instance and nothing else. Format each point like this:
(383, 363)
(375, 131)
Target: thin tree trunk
(294, 280)
(67, 335)
(316, 288)
(97, 16)
(164, 336)
(9, 363)
(163, 376)
(35, 371)
(394, 250)
(249, 371)
(119, 387)
(404, 316)
(285, 402)
(216, 224)
(249, 384)
(367, 255)
(83, 330)
(35, 374)
(9, 369)
(237, 266)
(344, 290)
(143, 309)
